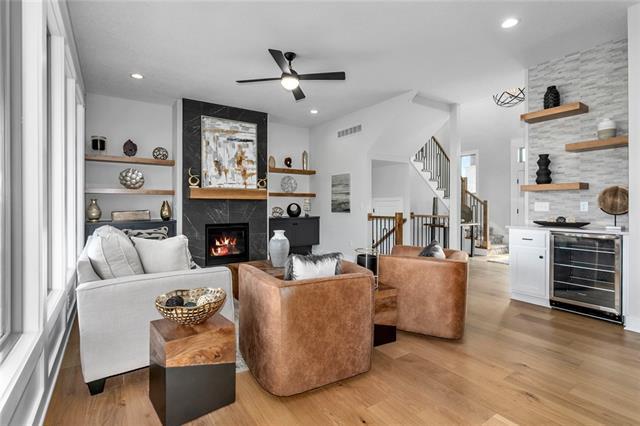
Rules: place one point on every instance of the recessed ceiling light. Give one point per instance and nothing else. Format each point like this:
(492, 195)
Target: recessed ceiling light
(509, 23)
(137, 76)
(313, 111)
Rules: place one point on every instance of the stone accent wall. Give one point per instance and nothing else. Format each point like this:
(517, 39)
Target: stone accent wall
(598, 78)
(197, 213)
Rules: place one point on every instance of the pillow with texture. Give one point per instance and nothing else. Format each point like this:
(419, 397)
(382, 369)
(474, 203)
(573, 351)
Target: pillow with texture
(85, 270)
(167, 255)
(161, 233)
(302, 267)
(112, 254)
(433, 250)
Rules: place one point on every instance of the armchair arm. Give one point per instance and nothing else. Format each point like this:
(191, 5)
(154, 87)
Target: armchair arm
(431, 293)
(114, 316)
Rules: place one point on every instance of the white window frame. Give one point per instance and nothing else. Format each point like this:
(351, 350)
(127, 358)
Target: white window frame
(5, 175)
(56, 156)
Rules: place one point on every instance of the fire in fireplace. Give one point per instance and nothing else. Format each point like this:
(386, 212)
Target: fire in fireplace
(226, 243)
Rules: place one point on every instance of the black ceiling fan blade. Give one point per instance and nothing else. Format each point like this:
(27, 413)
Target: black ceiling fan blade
(298, 93)
(255, 80)
(282, 62)
(340, 75)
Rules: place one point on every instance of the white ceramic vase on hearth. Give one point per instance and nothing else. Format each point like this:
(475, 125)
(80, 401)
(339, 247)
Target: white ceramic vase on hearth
(278, 249)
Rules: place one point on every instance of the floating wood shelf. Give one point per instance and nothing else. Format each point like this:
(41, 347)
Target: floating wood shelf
(561, 111)
(125, 191)
(293, 194)
(615, 142)
(573, 186)
(227, 194)
(129, 160)
(291, 171)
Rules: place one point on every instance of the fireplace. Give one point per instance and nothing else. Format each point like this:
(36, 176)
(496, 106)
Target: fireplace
(226, 243)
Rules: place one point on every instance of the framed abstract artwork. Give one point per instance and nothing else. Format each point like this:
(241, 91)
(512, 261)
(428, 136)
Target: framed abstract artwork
(341, 193)
(229, 153)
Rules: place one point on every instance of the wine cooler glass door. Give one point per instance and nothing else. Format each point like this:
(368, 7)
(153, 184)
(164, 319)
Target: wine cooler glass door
(586, 271)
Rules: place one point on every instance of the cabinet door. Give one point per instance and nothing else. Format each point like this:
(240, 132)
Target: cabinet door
(529, 270)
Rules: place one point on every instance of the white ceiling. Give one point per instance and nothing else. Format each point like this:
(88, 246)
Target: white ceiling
(452, 51)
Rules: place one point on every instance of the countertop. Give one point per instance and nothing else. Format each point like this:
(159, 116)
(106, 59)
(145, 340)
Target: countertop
(586, 230)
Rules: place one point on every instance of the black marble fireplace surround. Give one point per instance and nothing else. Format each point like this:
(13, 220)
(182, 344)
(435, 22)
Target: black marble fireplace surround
(196, 214)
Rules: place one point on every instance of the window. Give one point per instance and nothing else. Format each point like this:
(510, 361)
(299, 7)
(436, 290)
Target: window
(469, 170)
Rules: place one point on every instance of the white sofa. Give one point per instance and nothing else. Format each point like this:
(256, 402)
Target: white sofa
(114, 316)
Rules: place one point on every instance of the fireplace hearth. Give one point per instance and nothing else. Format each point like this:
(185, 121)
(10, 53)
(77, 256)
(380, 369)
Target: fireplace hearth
(226, 243)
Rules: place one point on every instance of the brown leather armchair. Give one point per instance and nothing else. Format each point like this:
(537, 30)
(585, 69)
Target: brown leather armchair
(300, 335)
(432, 293)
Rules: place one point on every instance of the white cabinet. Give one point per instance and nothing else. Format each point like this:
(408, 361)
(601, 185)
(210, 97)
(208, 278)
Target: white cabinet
(528, 264)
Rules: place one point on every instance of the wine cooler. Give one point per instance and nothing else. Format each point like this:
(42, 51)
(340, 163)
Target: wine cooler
(586, 274)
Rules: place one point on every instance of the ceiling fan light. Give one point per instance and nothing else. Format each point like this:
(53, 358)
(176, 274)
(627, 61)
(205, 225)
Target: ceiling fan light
(289, 82)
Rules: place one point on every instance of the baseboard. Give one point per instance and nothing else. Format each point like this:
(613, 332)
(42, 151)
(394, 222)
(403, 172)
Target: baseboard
(632, 323)
(531, 299)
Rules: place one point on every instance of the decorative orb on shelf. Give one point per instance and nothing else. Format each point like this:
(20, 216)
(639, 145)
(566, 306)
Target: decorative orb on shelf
(288, 184)
(131, 178)
(160, 153)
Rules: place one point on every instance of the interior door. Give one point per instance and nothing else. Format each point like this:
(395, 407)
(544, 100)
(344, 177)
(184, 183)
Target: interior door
(387, 206)
(518, 170)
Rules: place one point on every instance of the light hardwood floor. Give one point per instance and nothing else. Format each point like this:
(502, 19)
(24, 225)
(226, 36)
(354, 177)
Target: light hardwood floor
(517, 364)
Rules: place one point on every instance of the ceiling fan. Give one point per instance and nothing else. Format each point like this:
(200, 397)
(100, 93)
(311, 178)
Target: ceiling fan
(290, 79)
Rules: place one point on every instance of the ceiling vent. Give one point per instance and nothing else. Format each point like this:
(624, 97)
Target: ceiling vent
(350, 131)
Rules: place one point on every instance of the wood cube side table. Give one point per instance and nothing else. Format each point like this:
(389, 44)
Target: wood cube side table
(192, 369)
(386, 315)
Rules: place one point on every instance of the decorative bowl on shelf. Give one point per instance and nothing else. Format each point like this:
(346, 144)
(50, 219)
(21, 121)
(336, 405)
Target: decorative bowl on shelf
(191, 307)
(560, 224)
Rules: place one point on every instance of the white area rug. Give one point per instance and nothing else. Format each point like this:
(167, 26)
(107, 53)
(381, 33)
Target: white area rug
(499, 258)
(240, 365)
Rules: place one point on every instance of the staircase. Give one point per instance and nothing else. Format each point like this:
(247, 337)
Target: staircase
(433, 164)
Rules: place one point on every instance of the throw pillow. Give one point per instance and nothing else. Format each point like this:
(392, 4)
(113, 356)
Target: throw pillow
(112, 254)
(85, 271)
(301, 267)
(161, 233)
(167, 255)
(433, 250)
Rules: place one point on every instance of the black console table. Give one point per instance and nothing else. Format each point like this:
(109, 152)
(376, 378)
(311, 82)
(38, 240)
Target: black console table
(302, 232)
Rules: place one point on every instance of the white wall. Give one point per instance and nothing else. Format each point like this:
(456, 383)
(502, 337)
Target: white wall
(632, 316)
(287, 141)
(391, 130)
(488, 128)
(148, 125)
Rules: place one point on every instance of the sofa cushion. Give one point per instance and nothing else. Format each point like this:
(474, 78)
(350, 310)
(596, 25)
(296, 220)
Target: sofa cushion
(112, 254)
(167, 255)
(433, 250)
(85, 271)
(301, 267)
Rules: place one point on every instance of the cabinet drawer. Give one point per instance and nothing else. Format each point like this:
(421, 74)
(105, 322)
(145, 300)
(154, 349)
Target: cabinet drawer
(528, 238)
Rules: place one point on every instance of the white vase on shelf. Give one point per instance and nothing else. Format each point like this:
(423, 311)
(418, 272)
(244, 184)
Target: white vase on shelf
(278, 249)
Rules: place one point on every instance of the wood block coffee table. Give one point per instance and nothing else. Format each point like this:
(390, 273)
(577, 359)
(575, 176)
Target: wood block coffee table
(386, 315)
(192, 369)
(263, 265)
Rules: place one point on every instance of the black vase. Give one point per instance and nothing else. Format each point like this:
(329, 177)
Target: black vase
(543, 175)
(551, 97)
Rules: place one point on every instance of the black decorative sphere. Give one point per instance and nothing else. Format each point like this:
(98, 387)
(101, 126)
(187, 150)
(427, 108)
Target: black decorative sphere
(190, 304)
(174, 301)
(294, 210)
(288, 162)
(551, 98)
